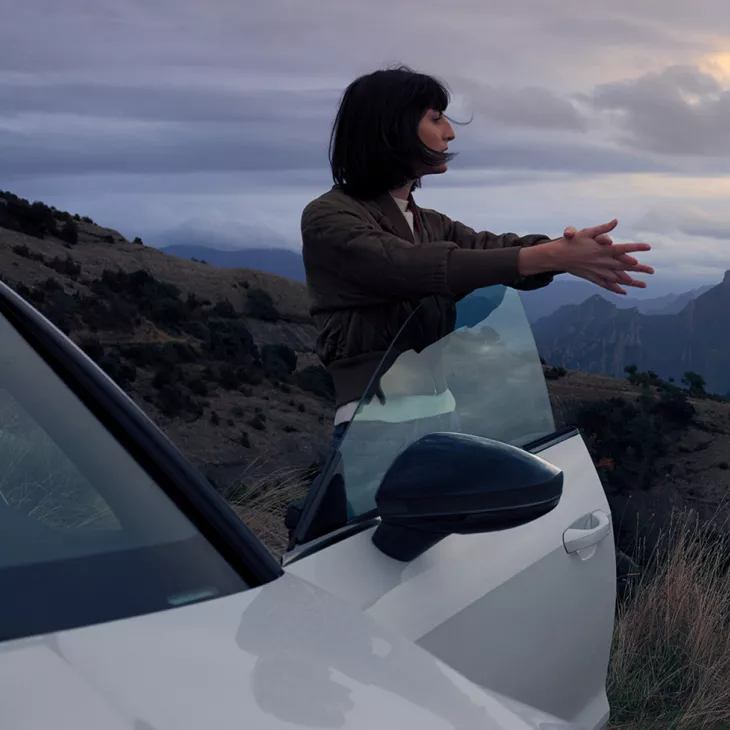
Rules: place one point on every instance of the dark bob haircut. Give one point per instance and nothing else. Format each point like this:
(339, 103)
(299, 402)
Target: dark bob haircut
(374, 146)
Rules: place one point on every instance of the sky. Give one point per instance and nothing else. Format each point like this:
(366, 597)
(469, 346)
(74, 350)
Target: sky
(208, 122)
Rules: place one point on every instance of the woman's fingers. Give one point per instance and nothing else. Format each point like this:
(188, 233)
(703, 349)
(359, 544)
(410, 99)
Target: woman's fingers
(606, 282)
(631, 264)
(620, 249)
(596, 231)
(604, 240)
(626, 280)
(613, 286)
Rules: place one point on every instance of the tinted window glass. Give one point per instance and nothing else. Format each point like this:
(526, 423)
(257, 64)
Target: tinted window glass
(85, 534)
(484, 377)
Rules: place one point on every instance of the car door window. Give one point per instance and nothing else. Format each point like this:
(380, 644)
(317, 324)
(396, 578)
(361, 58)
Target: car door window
(484, 378)
(86, 534)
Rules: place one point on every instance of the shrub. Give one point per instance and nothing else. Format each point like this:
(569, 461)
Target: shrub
(249, 375)
(173, 400)
(66, 266)
(109, 314)
(226, 376)
(316, 380)
(230, 340)
(695, 384)
(278, 360)
(25, 252)
(258, 422)
(69, 233)
(51, 284)
(160, 354)
(198, 387)
(59, 307)
(92, 347)
(22, 250)
(197, 329)
(120, 372)
(626, 438)
(223, 308)
(260, 305)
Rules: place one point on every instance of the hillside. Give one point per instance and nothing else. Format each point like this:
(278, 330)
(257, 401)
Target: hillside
(650, 462)
(597, 337)
(279, 261)
(205, 351)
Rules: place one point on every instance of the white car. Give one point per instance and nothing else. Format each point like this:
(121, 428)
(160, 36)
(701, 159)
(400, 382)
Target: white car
(466, 582)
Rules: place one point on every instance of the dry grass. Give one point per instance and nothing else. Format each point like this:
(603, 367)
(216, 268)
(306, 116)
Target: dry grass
(670, 665)
(261, 502)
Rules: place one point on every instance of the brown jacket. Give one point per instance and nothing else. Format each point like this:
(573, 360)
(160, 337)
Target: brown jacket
(366, 275)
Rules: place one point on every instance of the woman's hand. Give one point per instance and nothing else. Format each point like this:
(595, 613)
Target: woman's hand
(589, 254)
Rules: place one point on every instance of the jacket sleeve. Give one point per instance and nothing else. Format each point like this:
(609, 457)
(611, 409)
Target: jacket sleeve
(369, 262)
(470, 241)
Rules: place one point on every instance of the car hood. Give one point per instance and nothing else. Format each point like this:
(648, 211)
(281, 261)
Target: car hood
(287, 655)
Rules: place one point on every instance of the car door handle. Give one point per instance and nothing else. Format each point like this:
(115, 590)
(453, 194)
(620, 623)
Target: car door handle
(579, 538)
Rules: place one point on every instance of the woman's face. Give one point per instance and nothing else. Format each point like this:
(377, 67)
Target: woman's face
(435, 132)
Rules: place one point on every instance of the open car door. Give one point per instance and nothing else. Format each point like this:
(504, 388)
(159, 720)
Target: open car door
(524, 607)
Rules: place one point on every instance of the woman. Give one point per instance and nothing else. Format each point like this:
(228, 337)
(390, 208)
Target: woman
(371, 255)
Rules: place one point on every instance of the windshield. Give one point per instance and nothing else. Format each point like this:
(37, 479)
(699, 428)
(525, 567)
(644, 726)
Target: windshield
(85, 534)
(483, 377)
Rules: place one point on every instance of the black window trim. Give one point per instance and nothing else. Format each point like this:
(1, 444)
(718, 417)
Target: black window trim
(145, 442)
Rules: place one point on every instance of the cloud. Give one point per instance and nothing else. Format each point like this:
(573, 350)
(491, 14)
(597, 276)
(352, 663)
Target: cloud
(530, 107)
(224, 234)
(678, 111)
(690, 220)
(161, 102)
(139, 112)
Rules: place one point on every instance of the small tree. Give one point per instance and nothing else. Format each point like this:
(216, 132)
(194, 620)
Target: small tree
(278, 360)
(69, 233)
(695, 384)
(260, 305)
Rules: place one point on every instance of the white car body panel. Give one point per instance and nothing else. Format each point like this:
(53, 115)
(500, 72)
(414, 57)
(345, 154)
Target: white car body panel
(282, 656)
(511, 610)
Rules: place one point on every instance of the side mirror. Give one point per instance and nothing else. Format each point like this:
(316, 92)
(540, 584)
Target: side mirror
(450, 483)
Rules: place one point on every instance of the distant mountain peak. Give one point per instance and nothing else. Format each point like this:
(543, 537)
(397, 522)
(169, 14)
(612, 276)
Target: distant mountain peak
(599, 337)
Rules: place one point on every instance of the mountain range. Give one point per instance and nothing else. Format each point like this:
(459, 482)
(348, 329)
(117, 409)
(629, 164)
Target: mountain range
(596, 336)
(543, 302)
(279, 261)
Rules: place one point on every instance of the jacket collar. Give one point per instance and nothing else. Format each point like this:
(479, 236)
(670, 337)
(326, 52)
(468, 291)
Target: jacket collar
(392, 212)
